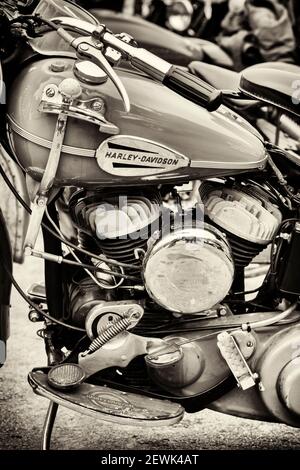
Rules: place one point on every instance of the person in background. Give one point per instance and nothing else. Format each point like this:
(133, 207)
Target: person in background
(257, 31)
(294, 10)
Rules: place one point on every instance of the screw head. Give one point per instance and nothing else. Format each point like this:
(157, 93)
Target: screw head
(40, 202)
(50, 92)
(223, 312)
(133, 314)
(97, 105)
(250, 344)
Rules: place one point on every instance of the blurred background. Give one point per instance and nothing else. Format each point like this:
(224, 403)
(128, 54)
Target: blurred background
(249, 31)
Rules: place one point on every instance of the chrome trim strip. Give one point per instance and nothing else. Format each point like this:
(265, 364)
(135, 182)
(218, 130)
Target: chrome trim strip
(92, 153)
(78, 152)
(231, 165)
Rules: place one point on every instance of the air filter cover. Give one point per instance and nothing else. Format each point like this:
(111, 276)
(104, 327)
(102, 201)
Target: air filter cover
(189, 270)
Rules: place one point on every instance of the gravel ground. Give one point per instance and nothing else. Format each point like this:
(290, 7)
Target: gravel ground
(22, 413)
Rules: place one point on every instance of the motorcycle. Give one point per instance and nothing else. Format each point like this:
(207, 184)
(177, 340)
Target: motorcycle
(153, 199)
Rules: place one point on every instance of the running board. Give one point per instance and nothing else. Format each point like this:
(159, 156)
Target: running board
(109, 404)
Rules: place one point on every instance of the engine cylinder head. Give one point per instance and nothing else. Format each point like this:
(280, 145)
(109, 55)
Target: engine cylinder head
(121, 222)
(245, 215)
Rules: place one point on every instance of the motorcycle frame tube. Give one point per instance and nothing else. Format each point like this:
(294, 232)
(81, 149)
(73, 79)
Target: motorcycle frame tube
(20, 220)
(53, 271)
(5, 287)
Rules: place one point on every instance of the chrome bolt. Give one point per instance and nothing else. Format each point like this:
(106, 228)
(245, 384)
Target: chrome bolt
(223, 312)
(133, 314)
(98, 44)
(250, 344)
(34, 316)
(41, 202)
(83, 47)
(97, 105)
(50, 92)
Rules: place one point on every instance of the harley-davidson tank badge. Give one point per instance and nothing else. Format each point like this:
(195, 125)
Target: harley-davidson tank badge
(125, 155)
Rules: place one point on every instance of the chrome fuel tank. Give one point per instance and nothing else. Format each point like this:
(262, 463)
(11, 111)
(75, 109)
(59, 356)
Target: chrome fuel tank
(164, 138)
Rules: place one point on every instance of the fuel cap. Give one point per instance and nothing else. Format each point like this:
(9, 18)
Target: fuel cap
(89, 73)
(66, 376)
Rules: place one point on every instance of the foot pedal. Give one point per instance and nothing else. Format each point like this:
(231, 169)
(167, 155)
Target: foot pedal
(109, 404)
(235, 360)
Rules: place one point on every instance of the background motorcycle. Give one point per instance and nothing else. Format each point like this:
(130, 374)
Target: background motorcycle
(121, 307)
(153, 36)
(210, 58)
(198, 19)
(191, 18)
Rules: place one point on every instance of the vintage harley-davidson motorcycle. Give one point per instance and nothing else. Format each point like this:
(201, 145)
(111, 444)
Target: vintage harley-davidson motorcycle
(153, 199)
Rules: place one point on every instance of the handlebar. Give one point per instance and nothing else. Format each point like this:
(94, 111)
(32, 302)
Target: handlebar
(173, 77)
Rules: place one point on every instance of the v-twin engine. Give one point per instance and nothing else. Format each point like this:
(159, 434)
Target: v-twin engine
(185, 258)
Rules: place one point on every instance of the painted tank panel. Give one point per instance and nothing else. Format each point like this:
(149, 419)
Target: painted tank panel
(215, 142)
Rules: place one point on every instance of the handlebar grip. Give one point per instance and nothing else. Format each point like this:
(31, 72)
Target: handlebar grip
(193, 88)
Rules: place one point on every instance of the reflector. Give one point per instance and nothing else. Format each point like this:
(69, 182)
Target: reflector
(66, 376)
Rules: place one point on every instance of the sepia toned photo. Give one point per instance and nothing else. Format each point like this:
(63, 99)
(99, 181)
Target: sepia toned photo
(149, 229)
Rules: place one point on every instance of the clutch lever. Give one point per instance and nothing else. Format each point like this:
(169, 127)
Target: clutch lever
(87, 49)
